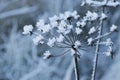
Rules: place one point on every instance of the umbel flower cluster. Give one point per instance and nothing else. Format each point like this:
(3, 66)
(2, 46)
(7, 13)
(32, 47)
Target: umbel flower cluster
(74, 32)
(68, 30)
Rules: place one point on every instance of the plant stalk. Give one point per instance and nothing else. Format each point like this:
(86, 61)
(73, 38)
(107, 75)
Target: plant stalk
(76, 67)
(97, 51)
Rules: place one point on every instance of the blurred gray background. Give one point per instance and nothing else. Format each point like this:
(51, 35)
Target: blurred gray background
(20, 59)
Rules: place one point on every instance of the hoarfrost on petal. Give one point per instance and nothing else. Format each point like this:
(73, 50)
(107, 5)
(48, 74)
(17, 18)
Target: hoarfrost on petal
(38, 39)
(47, 54)
(27, 29)
(51, 42)
(78, 30)
(113, 27)
(60, 38)
(89, 41)
(92, 30)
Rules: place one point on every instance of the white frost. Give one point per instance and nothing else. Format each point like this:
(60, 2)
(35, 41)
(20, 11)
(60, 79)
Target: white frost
(103, 16)
(60, 38)
(51, 42)
(90, 41)
(77, 44)
(27, 29)
(38, 39)
(46, 54)
(92, 30)
(78, 30)
(113, 27)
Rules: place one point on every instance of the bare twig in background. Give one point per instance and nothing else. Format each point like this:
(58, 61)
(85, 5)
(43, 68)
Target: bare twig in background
(17, 12)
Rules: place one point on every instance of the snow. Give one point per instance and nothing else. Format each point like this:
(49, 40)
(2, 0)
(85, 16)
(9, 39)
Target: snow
(113, 28)
(27, 29)
(78, 30)
(92, 30)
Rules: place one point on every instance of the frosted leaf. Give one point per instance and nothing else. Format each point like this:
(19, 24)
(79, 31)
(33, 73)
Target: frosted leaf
(113, 27)
(47, 54)
(60, 38)
(78, 30)
(38, 39)
(89, 41)
(103, 16)
(51, 42)
(77, 44)
(92, 30)
(27, 29)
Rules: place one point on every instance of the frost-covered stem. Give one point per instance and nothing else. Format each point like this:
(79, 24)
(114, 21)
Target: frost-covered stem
(76, 67)
(95, 61)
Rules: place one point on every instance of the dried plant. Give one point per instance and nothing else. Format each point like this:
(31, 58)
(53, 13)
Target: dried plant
(74, 33)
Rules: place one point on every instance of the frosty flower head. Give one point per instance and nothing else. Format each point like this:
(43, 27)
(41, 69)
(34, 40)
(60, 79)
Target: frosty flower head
(68, 30)
(27, 29)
